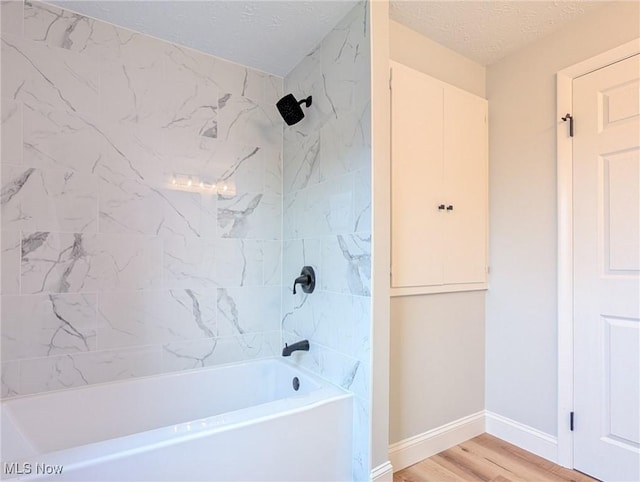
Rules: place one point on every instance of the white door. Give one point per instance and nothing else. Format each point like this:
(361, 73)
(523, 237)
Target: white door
(606, 239)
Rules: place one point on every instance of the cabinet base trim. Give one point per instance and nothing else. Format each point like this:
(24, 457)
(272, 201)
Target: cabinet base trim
(428, 290)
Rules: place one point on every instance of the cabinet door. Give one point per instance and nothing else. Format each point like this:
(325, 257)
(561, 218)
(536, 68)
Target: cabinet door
(465, 181)
(416, 179)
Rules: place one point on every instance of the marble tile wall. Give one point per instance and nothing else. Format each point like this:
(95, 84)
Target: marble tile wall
(327, 216)
(109, 270)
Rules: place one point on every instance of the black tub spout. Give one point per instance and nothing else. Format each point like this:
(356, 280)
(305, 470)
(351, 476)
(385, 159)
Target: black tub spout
(298, 346)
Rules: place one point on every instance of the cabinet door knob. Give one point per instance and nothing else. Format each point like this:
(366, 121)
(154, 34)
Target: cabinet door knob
(441, 207)
(450, 207)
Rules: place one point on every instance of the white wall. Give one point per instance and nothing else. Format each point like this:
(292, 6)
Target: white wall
(421, 53)
(381, 228)
(521, 304)
(437, 354)
(437, 341)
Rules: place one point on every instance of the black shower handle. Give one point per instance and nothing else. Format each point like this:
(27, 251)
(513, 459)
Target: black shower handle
(307, 101)
(307, 280)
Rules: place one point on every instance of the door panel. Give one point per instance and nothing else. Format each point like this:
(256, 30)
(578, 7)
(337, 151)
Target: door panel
(621, 345)
(416, 179)
(465, 180)
(620, 103)
(621, 176)
(606, 208)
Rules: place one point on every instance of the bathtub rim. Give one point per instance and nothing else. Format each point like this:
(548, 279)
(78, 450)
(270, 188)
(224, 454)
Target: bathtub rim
(112, 449)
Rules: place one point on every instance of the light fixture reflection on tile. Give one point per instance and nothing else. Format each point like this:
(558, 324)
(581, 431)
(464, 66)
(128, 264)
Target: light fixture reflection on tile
(190, 183)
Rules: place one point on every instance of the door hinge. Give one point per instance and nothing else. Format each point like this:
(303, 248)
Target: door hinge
(569, 118)
(571, 418)
(390, 77)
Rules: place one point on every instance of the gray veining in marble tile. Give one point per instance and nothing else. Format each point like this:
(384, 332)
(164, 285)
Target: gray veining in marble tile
(197, 313)
(133, 151)
(32, 242)
(71, 31)
(346, 261)
(362, 201)
(61, 262)
(47, 78)
(190, 262)
(47, 200)
(215, 351)
(130, 206)
(60, 139)
(155, 317)
(11, 125)
(45, 325)
(62, 253)
(302, 152)
(361, 437)
(248, 310)
(10, 379)
(250, 216)
(345, 64)
(351, 151)
(10, 263)
(133, 87)
(242, 118)
(192, 96)
(14, 185)
(272, 266)
(235, 215)
(240, 262)
(273, 171)
(229, 311)
(68, 371)
(188, 355)
(248, 166)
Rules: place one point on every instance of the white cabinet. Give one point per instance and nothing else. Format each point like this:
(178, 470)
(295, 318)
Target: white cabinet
(439, 186)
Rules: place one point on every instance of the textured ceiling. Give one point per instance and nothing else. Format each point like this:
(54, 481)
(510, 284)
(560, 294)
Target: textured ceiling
(487, 31)
(272, 36)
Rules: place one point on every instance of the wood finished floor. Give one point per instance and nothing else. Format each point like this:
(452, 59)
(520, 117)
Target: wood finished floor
(487, 458)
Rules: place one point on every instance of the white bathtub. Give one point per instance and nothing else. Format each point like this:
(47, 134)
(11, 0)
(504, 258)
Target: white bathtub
(234, 422)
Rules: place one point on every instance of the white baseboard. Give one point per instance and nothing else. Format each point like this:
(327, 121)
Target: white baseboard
(523, 436)
(412, 450)
(382, 473)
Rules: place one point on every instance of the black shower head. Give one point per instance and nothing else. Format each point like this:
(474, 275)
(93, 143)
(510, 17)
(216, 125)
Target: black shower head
(290, 109)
